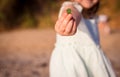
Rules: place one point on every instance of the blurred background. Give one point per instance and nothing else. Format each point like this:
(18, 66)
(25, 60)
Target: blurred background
(27, 35)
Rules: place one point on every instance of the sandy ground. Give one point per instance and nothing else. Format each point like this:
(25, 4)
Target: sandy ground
(26, 53)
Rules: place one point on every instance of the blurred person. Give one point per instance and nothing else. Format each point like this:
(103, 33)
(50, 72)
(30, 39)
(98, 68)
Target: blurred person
(103, 24)
(77, 51)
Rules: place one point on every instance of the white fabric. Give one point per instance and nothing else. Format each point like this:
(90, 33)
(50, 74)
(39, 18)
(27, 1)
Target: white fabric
(79, 55)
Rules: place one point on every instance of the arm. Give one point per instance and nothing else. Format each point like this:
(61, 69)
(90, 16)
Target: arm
(66, 24)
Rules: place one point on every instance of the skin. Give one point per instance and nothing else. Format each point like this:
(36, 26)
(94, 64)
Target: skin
(66, 25)
(87, 3)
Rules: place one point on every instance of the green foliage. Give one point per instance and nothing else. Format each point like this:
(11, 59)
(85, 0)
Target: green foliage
(34, 13)
(25, 13)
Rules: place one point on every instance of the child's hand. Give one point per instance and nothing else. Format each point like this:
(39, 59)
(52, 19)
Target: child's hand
(66, 25)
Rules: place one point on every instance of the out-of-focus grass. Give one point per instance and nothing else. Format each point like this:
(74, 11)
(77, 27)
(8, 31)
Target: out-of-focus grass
(45, 17)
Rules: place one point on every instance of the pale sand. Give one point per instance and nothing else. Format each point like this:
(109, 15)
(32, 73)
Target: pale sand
(26, 53)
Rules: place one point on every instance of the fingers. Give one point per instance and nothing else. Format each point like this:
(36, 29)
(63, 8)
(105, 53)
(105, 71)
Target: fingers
(74, 29)
(66, 25)
(60, 20)
(65, 22)
(69, 27)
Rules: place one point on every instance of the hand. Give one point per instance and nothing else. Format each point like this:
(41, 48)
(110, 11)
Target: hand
(66, 25)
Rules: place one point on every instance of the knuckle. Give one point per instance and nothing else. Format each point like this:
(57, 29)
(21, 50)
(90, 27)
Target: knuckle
(67, 30)
(62, 33)
(67, 33)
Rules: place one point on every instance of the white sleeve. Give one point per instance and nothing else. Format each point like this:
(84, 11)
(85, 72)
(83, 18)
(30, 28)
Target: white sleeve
(67, 3)
(78, 6)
